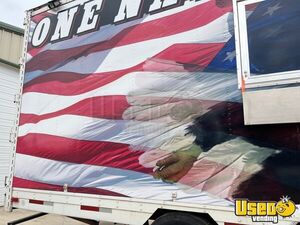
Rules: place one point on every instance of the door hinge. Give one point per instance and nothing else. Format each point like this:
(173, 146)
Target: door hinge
(12, 137)
(17, 98)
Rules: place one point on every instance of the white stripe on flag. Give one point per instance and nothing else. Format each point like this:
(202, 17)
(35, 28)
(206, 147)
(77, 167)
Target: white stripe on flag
(137, 133)
(126, 182)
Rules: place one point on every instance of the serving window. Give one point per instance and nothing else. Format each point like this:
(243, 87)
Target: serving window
(268, 39)
(267, 36)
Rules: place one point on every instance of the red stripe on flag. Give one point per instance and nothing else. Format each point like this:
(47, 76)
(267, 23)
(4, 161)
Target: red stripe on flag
(113, 107)
(28, 184)
(33, 51)
(65, 83)
(173, 24)
(106, 107)
(37, 18)
(97, 153)
(199, 55)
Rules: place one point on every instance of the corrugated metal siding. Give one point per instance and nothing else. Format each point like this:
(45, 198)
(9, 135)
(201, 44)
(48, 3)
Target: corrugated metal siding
(9, 86)
(11, 45)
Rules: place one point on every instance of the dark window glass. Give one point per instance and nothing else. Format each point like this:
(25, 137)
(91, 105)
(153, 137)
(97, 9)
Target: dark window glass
(273, 28)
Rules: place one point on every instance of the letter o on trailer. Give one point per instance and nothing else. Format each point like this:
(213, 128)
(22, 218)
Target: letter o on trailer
(11, 39)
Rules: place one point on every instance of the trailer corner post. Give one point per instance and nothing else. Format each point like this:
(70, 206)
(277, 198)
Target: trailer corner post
(9, 184)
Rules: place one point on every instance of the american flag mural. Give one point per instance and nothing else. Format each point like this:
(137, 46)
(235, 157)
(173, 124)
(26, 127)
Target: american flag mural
(148, 108)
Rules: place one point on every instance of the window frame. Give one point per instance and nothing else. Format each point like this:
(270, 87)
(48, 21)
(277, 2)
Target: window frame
(245, 79)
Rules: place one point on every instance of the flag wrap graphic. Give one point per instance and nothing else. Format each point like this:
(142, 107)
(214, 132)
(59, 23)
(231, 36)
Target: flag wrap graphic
(147, 108)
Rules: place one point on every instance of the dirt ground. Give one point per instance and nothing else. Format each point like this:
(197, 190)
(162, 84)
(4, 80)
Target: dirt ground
(47, 219)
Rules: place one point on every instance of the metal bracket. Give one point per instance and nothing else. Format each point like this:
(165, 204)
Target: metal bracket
(17, 98)
(5, 181)
(12, 135)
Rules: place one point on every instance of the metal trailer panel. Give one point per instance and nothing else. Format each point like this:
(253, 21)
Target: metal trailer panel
(11, 40)
(9, 87)
(260, 107)
(119, 209)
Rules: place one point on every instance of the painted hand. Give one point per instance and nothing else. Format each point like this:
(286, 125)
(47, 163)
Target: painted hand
(176, 165)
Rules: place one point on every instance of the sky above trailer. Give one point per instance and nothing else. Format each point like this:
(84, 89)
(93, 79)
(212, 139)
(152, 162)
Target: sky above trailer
(13, 11)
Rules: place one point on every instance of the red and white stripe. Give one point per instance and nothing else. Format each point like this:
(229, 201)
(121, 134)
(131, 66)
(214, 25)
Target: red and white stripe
(169, 60)
(125, 182)
(103, 60)
(76, 123)
(205, 86)
(110, 31)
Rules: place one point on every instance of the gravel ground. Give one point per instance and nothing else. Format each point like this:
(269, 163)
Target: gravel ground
(47, 219)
